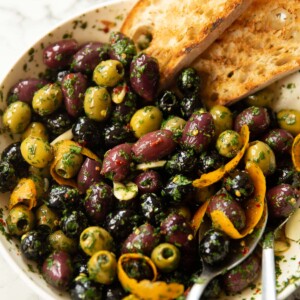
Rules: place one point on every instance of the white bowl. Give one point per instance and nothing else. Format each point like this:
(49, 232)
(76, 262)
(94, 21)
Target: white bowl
(114, 12)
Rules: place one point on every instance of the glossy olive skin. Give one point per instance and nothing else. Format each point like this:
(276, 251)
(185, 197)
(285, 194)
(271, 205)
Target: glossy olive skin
(263, 98)
(289, 119)
(73, 223)
(73, 87)
(144, 76)
(222, 201)
(8, 176)
(89, 56)
(69, 164)
(116, 162)
(114, 292)
(168, 103)
(57, 123)
(282, 200)
(98, 202)
(142, 240)
(138, 269)
(60, 242)
(210, 160)
(229, 143)
(148, 182)
(152, 208)
(223, 118)
(46, 217)
(174, 124)
(59, 54)
(188, 81)
(57, 270)
(36, 129)
(257, 119)
(190, 104)
(25, 89)
(241, 276)
(214, 247)
(88, 174)
(198, 132)
(279, 140)
(154, 146)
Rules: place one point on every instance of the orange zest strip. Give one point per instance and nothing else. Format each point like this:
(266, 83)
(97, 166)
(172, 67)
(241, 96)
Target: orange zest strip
(214, 176)
(254, 207)
(146, 289)
(296, 152)
(198, 216)
(24, 192)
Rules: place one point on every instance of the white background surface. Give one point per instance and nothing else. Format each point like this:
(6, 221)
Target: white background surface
(22, 22)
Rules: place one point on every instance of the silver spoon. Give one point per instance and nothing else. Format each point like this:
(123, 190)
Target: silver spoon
(237, 255)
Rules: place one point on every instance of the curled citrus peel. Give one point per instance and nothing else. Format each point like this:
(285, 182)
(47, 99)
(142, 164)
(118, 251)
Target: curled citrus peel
(59, 149)
(25, 192)
(146, 289)
(254, 207)
(296, 152)
(214, 176)
(198, 216)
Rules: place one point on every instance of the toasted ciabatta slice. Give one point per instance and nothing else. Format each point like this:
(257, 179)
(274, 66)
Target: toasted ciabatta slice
(261, 46)
(180, 29)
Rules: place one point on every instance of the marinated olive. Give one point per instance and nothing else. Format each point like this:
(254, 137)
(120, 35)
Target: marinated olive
(168, 103)
(239, 184)
(114, 291)
(36, 129)
(214, 247)
(94, 239)
(223, 118)
(263, 98)
(174, 124)
(102, 267)
(289, 119)
(183, 162)
(189, 104)
(282, 200)
(60, 242)
(8, 177)
(46, 217)
(166, 257)
(69, 164)
(148, 182)
(188, 81)
(73, 223)
(138, 269)
(229, 143)
(36, 151)
(17, 117)
(97, 103)
(108, 73)
(210, 161)
(33, 245)
(144, 76)
(57, 123)
(145, 120)
(279, 140)
(47, 99)
(261, 154)
(20, 220)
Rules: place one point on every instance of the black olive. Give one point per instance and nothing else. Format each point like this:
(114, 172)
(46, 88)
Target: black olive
(138, 269)
(61, 75)
(73, 223)
(210, 161)
(57, 123)
(8, 178)
(83, 288)
(189, 104)
(152, 208)
(114, 292)
(168, 103)
(80, 264)
(214, 247)
(188, 81)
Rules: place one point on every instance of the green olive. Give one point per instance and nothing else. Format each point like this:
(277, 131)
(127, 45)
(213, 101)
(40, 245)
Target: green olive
(97, 103)
(229, 143)
(108, 73)
(59, 241)
(20, 220)
(69, 164)
(174, 124)
(45, 216)
(42, 172)
(166, 257)
(36, 129)
(223, 119)
(36, 152)
(94, 239)
(17, 117)
(145, 120)
(289, 119)
(47, 99)
(102, 267)
(261, 154)
(263, 98)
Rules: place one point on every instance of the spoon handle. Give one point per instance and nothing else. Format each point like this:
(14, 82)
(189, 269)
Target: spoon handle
(198, 288)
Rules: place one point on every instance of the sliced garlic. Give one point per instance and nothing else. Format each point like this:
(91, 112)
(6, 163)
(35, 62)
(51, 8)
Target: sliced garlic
(292, 227)
(125, 191)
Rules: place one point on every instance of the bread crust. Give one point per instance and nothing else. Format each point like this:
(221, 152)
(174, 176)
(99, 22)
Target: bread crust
(260, 47)
(181, 29)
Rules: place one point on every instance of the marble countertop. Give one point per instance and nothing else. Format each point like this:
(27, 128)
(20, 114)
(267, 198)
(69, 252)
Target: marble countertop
(21, 24)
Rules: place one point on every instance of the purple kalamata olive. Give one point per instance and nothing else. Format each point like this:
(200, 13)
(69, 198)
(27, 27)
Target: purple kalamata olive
(73, 87)
(279, 140)
(116, 162)
(154, 145)
(58, 270)
(257, 119)
(242, 276)
(198, 131)
(88, 174)
(59, 54)
(148, 182)
(282, 200)
(25, 89)
(222, 201)
(143, 240)
(89, 56)
(98, 202)
(144, 76)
